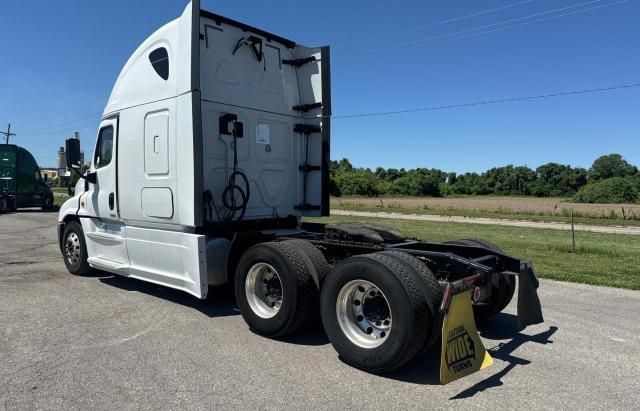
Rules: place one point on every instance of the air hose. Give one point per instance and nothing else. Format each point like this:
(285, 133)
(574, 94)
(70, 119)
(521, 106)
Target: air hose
(233, 190)
(235, 198)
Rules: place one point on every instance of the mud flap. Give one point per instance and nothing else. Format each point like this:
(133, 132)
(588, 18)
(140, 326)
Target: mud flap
(529, 309)
(462, 350)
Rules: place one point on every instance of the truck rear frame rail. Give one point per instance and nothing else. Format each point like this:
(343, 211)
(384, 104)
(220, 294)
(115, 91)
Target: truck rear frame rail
(458, 268)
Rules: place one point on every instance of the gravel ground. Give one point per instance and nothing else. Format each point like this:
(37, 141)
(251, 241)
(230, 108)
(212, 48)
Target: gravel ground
(492, 221)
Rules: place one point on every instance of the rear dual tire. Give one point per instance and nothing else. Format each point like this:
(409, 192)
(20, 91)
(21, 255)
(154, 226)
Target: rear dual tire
(277, 286)
(433, 293)
(379, 310)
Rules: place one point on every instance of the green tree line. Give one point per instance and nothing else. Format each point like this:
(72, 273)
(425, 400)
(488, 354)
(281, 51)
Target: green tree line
(611, 179)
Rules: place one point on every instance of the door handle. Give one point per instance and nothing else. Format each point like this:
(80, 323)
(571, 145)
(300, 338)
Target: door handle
(112, 198)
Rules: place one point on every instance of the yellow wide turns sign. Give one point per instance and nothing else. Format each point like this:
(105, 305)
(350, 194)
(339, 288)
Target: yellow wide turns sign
(462, 350)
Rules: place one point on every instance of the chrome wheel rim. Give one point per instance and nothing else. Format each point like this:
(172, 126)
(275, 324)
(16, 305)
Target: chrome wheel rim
(72, 248)
(263, 289)
(364, 314)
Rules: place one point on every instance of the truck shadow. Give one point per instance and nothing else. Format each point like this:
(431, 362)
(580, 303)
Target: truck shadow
(425, 369)
(219, 303)
(501, 329)
(311, 335)
(53, 210)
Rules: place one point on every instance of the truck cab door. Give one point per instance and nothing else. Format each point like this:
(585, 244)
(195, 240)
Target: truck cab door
(103, 193)
(104, 233)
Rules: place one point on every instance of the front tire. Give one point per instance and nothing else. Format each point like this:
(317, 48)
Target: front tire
(74, 249)
(274, 289)
(375, 312)
(47, 204)
(5, 205)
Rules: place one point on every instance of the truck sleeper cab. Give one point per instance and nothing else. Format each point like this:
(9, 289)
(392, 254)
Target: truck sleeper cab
(213, 145)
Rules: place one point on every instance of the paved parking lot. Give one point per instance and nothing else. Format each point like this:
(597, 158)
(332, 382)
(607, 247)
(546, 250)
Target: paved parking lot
(111, 342)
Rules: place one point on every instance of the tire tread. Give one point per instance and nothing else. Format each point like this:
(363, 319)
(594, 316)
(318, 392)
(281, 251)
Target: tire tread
(318, 261)
(305, 289)
(432, 290)
(417, 301)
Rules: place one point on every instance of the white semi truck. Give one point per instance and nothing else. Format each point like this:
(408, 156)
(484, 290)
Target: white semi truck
(212, 148)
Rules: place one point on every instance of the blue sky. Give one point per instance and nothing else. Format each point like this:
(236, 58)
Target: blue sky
(60, 60)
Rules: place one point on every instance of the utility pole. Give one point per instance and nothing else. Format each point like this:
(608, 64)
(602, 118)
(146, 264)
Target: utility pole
(7, 133)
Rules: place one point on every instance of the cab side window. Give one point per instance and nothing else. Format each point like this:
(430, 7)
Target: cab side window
(159, 59)
(104, 148)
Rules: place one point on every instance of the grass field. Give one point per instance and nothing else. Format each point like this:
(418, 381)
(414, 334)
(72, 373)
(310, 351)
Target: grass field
(519, 208)
(59, 200)
(600, 259)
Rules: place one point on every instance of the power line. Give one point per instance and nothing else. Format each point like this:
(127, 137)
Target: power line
(525, 23)
(462, 105)
(374, 7)
(440, 23)
(356, 12)
(489, 102)
(430, 40)
(7, 134)
(48, 128)
(512, 26)
(61, 129)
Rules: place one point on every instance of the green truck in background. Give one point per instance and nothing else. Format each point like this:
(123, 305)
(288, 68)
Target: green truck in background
(21, 184)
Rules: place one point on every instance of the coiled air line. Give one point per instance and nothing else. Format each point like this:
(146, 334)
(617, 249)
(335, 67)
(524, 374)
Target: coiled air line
(232, 190)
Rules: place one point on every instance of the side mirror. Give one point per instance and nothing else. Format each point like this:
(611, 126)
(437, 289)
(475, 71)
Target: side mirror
(72, 150)
(46, 178)
(91, 177)
(72, 147)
